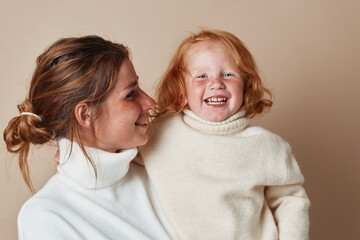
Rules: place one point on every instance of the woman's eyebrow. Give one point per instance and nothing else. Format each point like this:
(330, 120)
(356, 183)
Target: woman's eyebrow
(132, 84)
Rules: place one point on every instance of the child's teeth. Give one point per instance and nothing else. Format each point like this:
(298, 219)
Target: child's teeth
(216, 100)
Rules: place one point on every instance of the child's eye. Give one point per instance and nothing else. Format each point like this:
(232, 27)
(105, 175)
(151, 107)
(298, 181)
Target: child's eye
(227, 74)
(202, 76)
(131, 95)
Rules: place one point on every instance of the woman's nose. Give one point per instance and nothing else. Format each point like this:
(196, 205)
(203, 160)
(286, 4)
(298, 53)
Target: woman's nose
(147, 102)
(216, 83)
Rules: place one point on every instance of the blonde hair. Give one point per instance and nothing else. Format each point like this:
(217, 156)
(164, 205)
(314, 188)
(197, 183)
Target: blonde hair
(171, 91)
(70, 71)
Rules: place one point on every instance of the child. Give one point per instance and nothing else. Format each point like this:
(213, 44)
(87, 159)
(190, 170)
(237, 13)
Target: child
(216, 176)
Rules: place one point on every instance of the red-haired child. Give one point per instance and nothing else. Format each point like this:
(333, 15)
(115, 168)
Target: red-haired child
(216, 176)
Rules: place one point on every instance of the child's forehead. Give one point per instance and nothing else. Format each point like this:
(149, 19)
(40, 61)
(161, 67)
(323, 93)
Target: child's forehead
(205, 46)
(201, 47)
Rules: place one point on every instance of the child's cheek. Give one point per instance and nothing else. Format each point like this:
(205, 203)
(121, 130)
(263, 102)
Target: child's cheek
(199, 83)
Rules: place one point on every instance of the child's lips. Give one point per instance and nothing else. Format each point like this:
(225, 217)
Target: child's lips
(216, 100)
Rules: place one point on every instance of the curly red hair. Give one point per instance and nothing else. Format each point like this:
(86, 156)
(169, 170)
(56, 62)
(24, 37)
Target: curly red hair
(171, 91)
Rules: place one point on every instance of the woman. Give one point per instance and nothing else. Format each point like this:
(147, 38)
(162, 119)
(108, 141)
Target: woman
(84, 94)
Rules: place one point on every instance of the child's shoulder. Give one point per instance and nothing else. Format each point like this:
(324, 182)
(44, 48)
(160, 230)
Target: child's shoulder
(166, 120)
(164, 126)
(167, 117)
(265, 136)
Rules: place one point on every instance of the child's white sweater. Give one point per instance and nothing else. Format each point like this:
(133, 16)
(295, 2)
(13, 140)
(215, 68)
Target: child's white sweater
(120, 204)
(226, 180)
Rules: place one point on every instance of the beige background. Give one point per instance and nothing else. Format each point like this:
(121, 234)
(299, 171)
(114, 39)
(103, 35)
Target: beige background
(307, 51)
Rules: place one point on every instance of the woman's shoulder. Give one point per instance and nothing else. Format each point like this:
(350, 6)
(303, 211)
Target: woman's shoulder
(52, 211)
(53, 195)
(44, 199)
(35, 210)
(39, 212)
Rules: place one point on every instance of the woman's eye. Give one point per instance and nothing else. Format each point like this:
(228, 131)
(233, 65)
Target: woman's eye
(131, 94)
(227, 74)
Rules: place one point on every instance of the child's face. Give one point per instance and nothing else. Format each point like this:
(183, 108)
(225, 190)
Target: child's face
(213, 84)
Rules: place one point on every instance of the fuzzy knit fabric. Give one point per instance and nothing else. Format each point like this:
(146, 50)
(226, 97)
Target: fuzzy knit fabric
(226, 180)
(119, 204)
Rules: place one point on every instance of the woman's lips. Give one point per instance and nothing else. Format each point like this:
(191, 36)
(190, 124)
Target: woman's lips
(141, 124)
(143, 121)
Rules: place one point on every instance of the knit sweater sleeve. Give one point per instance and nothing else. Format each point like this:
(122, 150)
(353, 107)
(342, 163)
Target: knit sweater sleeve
(288, 200)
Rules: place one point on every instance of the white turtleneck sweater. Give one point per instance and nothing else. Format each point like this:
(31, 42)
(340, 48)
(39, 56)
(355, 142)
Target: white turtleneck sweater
(119, 204)
(226, 180)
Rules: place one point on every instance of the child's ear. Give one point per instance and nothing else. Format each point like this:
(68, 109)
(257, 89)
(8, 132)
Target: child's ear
(82, 113)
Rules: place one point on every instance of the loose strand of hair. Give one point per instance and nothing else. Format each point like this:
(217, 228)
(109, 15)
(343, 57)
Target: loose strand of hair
(24, 165)
(81, 145)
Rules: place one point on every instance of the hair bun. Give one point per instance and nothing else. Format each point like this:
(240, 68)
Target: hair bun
(25, 129)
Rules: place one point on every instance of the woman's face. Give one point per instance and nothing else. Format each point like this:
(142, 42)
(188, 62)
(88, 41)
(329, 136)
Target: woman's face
(122, 122)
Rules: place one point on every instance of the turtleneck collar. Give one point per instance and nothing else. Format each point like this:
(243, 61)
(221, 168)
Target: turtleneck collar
(235, 123)
(111, 167)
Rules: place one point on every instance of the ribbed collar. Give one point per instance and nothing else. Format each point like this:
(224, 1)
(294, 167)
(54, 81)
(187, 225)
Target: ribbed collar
(111, 167)
(235, 123)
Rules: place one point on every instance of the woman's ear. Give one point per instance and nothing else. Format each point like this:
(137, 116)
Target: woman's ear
(184, 97)
(82, 113)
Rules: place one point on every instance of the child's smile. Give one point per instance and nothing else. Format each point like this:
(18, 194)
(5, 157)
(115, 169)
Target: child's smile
(216, 100)
(213, 84)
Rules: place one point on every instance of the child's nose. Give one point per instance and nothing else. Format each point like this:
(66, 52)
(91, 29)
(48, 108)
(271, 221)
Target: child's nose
(216, 83)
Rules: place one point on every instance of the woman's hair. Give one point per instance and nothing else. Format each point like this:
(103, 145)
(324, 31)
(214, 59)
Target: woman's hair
(171, 91)
(70, 71)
